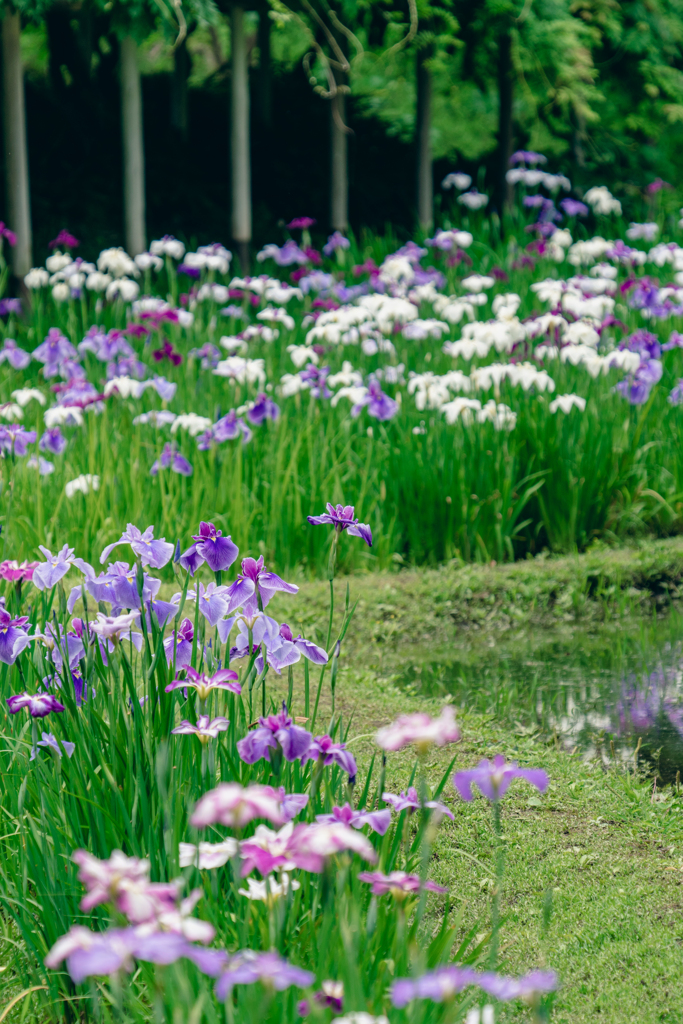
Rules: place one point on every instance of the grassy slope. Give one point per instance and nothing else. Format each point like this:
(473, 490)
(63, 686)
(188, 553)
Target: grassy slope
(606, 850)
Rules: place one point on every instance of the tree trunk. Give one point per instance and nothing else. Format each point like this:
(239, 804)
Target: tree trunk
(423, 127)
(339, 178)
(179, 91)
(505, 92)
(240, 142)
(16, 155)
(133, 148)
(265, 84)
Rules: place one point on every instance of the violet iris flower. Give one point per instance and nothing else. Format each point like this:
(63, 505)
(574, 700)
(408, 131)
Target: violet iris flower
(213, 601)
(637, 387)
(150, 551)
(15, 356)
(49, 740)
(49, 573)
(212, 547)
(206, 728)
(264, 408)
(379, 405)
(234, 806)
(254, 579)
(9, 306)
(284, 256)
(573, 208)
(224, 679)
(334, 242)
(410, 801)
(52, 441)
(282, 649)
(171, 458)
(89, 954)
(378, 821)
(277, 732)
(39, 704)
(64, 240)
(676, 395)
(60, 642)
(445, 982)
(316, 379)
(54, 350)
(291, 803)
(399, 883)
(341, 517)
(323, 748)
(247, 967)
(494, 777)
(182, 640)
(13, 637)
(15, 438)
(301, 222)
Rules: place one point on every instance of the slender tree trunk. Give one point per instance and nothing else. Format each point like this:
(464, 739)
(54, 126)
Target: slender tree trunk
(133, 148)
(179, 91)
(240, 147)
(16, 154)
(423, 127)
(505, 92)
(339, 178)
(265, 81)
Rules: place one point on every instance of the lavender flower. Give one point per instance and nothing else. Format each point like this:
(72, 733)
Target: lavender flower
(379, 405)
(224, 679)
(171, 458)
(410, 801)
(39, 705)
(255, 581)
(88, 953)
(211, 547)
(9, 306)
(315, 379)
(49, 740)
(399, 883)
(14, 438)
(206, 728)
(247, 967)
(325, 750)
(336, 241)
(378, 821)
(56, 349)
(573, 208)
(445, 982)
(49, 573)
(277, 733)
(180, 640)
(494, 777)
(150, 551)
(15, 356)
(341, 517)
(676, 395)
(285, 256)
(52, 441)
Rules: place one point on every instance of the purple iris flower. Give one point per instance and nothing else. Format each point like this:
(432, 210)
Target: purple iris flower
(282, 649)
(644, 342)
(182, 640)
(275, 732)
(15, 438)
(494, 777)
(118, 586)
(341, 517)
(445, 982)
(291, 803)
(209, 354)
(676, 396)
(573, 208)
(150, 551)
(636, 388)
(213, 602)
(49, 740)
(52, 441)
(212, 547)
(253, 580)
(264, 408)
(528, 157)
(675, 341)
(49, 573)
(410, 801)
(379, 405)
(39, 704)
(8, 306)
(247, 967)
(316, 378)
(129, 366)
(15, 356)
(309, 650)
(60, 643)
(105, 345)
(173, 459)
(89, 954)
(323, 748)
(55, 349)
(13, 637)
(334, 242)
(284, 256)
(378, 821)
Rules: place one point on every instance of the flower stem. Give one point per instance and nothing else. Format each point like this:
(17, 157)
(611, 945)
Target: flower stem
(500, 871)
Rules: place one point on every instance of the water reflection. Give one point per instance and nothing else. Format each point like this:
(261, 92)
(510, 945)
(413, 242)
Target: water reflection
(601, 692)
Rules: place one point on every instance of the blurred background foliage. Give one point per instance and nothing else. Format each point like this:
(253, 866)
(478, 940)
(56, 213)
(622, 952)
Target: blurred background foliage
(597, 85)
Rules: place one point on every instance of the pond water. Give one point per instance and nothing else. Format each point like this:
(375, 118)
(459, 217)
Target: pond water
(603, 693)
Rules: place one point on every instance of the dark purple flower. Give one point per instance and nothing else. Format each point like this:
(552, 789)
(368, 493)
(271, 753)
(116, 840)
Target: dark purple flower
(247, 967)
(181, 640)
(6, 233)
(39, 704)
(255, 579)
(195, 272)
(378, 821)
(273, 732)
(301, 222)
(323, 748)
(211, 547)
(13, 638)
(8, 306)
(52, 441)
(644, 342)
(341, 517)
(264, 408)
(64, 240)
(494, 777)
(573, 208)
(150, 551)
(15, 438)
(656, 186)
(15, 356)
(173, 459)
